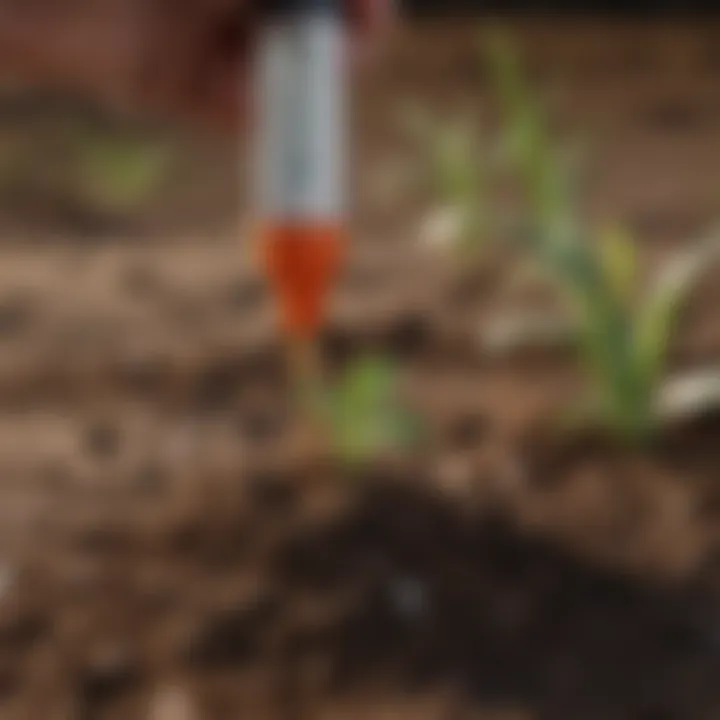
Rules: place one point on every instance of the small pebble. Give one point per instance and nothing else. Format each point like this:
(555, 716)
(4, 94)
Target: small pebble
(689, 396)
(442, 228)
(509, 334)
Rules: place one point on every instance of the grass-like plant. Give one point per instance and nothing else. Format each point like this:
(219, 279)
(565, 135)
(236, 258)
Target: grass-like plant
(120, 172)
(367, 416)
(82, 158)
(625, 335)
(457, 167)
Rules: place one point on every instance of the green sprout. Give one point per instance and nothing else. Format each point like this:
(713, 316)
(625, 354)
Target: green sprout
(367, 416)
(626, 340)
(459, 173)
(82, 158)
(548, 172)
(120, 172)
(625, 337)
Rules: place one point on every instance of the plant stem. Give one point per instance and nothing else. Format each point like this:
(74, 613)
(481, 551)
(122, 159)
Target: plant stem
(306, 377)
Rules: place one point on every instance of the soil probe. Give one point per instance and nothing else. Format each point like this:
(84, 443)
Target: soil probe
(301, 171)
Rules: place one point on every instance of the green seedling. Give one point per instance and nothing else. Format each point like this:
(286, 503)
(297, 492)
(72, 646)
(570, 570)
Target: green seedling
(120, 173)
(549, 173)
(624, 336)
(458, 171)
(68, 155)
(367, 416)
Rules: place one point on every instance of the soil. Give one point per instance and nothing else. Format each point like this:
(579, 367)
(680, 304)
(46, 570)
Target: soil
(165, 558)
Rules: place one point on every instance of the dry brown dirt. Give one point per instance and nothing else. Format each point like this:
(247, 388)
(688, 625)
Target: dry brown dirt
(162, 558)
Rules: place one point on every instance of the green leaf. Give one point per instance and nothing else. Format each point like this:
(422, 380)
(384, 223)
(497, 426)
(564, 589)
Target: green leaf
(456, 164)
(547, 173)
(367, 415)
(658, 316)
(506, 68)
(121, 172)
(624, 350)
(618, 256)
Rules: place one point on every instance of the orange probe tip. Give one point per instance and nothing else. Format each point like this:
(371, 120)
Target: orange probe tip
(302, 262)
